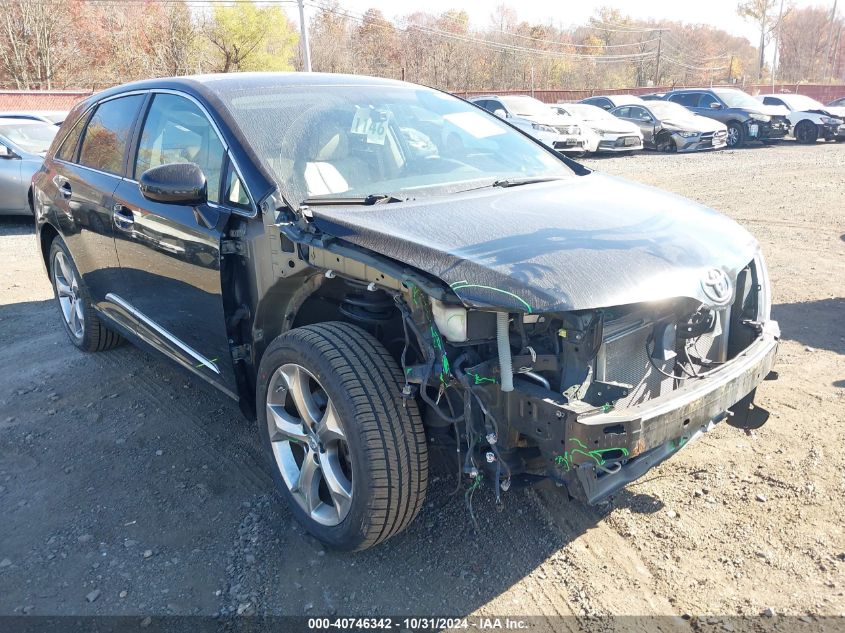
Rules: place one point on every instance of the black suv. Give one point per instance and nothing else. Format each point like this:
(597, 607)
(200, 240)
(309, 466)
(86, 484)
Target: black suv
(746, 118)
(313, 246)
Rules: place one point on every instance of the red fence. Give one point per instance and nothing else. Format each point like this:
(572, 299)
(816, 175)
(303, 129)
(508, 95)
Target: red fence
(40, 99)
(65, 99)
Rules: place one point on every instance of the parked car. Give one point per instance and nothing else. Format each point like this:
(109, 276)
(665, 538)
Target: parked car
(54, 117)
(608, 102)
(810, 120)
(23, 143)
(669, 127)
(653, 96)
(615, 134)
(746, 118)
(274, 235)
(563, 133)
(838, 103)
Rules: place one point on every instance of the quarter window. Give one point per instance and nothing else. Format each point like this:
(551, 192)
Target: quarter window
(67, 151)
(177, 131)
(107, 134)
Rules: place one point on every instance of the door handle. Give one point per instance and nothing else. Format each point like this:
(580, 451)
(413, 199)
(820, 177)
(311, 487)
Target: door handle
(124, 219)
(65, 189)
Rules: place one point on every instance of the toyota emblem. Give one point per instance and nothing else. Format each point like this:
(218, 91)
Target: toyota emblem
(717, 286)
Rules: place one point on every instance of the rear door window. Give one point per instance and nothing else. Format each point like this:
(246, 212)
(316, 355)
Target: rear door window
(176, 130)
(687, 99)
(108, 133)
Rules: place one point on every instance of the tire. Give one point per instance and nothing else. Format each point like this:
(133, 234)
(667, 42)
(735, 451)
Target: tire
(736, 135)
(81, 322)
(806, 132)
(372, 482)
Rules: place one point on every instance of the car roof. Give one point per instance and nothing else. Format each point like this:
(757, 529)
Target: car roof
(5, 120)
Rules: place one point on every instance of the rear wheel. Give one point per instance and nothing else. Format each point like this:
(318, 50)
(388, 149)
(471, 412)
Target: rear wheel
(806, 132)
(348, 453)
(81, 322)
(736, 134)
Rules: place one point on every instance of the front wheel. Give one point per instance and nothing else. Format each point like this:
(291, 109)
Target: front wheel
(736, 135)
(348, 453)
(806, 132)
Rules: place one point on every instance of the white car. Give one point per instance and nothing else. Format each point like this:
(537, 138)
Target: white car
(615, 134)
(564, 134)
(53, 117)
(810, 119)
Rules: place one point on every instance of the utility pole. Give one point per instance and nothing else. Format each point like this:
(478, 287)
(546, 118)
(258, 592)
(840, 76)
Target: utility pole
(303, 28)
(657, 63)
(830, 49)
(777, 45)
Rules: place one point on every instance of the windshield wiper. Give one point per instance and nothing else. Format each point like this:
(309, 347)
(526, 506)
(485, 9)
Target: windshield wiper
(373, 198)
(516, 182)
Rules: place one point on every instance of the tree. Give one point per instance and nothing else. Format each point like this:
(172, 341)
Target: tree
(763, 13)
(33, 46)
(805, 38)
(330, 38)
(244, 36)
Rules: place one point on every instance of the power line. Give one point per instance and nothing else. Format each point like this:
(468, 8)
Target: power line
(501, 46)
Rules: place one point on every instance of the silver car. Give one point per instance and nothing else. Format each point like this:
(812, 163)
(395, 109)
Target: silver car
(23, 143)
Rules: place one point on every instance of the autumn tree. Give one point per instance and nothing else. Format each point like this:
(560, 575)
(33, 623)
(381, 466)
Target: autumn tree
(35, 43)
(764, 14)
(246, 36)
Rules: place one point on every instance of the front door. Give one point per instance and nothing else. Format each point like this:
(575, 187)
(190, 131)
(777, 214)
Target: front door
(170, 254)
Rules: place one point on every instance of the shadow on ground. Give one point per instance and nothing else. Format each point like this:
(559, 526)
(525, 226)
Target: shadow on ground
(814, 323)
(120, 473)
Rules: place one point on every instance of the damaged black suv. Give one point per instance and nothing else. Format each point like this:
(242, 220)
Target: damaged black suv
(368, 266)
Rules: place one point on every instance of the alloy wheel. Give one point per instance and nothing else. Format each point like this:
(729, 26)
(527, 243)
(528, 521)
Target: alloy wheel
(67, 290)
(309, 444)
(733, 136)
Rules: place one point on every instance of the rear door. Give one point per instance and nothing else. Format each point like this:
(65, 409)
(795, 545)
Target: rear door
(170, 254)
(83, 176)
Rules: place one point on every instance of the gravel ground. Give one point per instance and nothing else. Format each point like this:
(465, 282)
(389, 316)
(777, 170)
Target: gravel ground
(127, 488)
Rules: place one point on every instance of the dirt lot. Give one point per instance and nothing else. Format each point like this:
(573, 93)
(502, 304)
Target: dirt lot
(127, 488)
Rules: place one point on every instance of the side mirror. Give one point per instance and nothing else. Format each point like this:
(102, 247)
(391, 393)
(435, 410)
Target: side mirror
(500, 113)
(5, 152)
(175, 183)
(715, 105)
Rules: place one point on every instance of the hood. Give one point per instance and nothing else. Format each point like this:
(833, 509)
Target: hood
(773, 110)
(695, 123)
(614, 127)
(587, 242)
(834, 111)
(550, 119)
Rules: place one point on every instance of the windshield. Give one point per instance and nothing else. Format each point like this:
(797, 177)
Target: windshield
(526, 106)
(31, 136)
(669, 110)
(737, 98)
(587, 112)
(800, 102)
(345, 141)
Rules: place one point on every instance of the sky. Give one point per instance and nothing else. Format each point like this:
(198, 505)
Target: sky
(719, 13)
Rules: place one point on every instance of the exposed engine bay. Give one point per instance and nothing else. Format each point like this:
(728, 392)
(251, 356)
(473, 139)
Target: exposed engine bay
(522, 397)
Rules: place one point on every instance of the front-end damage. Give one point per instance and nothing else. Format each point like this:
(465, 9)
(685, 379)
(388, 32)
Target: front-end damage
(523, 388)
(598, 397)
